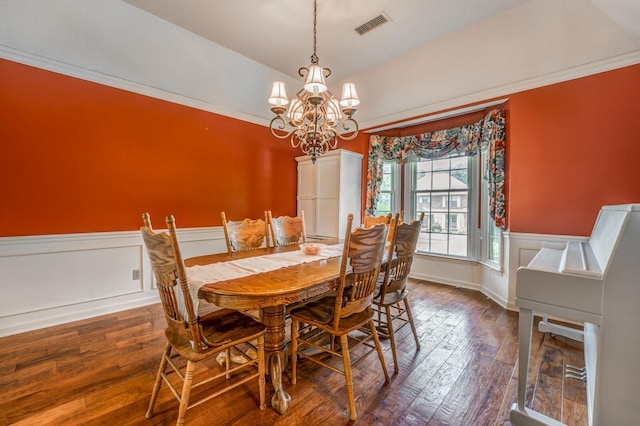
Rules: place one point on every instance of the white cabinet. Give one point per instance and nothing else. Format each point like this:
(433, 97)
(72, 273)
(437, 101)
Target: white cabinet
(329, 190)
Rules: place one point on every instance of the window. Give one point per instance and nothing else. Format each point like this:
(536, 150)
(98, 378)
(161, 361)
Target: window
(440, 189)
(490, 234)
(451, 191)
(389, 198)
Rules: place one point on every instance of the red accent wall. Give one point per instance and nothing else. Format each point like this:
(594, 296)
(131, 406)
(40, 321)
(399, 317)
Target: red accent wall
(83, 157)
(573, 147)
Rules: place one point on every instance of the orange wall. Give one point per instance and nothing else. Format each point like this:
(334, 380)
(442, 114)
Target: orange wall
(573, 147)
(82, 157)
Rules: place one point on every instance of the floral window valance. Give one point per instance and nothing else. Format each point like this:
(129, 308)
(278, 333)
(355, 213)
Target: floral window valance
(466, 140)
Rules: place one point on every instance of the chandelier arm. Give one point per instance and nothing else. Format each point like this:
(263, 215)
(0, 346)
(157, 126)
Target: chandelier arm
(282, 128)
(331, 140)
(294, 137)
(351, 134)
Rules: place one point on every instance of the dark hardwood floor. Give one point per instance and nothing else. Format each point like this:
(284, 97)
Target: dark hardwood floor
(100, 372)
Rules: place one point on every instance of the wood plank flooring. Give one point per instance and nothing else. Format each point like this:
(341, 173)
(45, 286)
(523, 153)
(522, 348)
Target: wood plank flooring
(100, 372)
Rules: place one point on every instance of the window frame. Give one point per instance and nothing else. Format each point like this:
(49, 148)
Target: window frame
(396, 188)
(473, 187)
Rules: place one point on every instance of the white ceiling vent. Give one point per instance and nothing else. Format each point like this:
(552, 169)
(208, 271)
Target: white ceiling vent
(383, 18)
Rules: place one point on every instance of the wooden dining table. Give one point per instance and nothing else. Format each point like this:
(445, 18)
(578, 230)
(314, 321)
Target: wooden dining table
(270, 293)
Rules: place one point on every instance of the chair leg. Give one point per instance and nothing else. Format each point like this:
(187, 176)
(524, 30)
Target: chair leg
(413, 325)
(186, 392)
(294, 349)
(156, 386)
(261, 371)
(392, 338)
(347, 376)
(374, 333)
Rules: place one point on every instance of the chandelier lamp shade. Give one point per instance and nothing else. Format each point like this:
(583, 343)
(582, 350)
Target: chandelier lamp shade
(314, 120)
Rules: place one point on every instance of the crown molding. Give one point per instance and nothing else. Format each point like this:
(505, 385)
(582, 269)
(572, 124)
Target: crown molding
(573, 73)
(370, 126)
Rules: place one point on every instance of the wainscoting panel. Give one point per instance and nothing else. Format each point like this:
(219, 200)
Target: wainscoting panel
(69, 278)
(54, 279)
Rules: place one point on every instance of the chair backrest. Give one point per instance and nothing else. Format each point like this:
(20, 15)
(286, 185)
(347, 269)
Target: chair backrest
(246, 234)
(166, 261)
(363, 251)
(287, 230)
(404, 242)
(401, 217)
(370, 221)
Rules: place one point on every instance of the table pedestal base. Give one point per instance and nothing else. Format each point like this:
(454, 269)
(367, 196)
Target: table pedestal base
(273, 317)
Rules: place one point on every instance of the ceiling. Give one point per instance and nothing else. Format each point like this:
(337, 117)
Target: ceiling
(279, 33)
(222, 56)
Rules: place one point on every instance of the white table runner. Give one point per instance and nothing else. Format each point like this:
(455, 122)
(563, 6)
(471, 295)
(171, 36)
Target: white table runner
(199, 275)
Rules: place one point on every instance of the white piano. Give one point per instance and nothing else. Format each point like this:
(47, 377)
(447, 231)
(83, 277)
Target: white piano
(596, 282)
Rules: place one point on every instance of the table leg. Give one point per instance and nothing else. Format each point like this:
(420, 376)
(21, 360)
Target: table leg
(273, 317)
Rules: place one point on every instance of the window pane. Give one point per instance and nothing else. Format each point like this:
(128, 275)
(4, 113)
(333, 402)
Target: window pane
(384, 204)
(459, 162)
(493, 251)
(386, 183)
(460, 178)
(441, 164)
(441, 180)
(442, 194)
(423, 203)
(387, 198)
(423, 177)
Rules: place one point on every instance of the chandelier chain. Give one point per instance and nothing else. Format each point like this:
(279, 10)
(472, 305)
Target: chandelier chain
(314, 57)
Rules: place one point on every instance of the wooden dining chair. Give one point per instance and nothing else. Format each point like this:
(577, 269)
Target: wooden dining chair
(392, 298)
(246, 234)
(194, 338)
(370, 221)
(287, 230)
(318, 323)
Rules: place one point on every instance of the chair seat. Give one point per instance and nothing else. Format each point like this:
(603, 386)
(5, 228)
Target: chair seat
(220, 328)
(320, 313)
(392, 298)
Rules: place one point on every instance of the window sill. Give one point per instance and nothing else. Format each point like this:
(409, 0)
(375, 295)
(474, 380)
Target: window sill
(445, 257)
(489, 265)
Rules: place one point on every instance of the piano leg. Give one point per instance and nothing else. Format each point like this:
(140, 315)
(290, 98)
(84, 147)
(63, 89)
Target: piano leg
(525, 325)
(519, 414)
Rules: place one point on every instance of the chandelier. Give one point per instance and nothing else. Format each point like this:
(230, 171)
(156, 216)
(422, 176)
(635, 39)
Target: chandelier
(315, 116)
